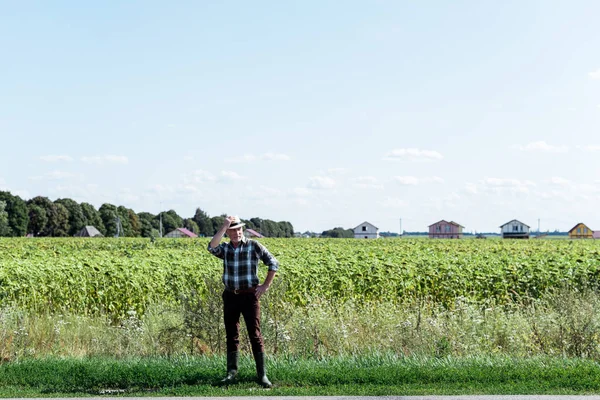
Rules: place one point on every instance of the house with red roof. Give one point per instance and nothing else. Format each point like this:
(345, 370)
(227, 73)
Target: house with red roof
(181, 233)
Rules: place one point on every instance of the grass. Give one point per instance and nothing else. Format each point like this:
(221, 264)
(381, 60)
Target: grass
(379, 374)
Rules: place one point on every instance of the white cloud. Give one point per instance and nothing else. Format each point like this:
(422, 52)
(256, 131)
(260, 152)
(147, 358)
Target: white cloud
(198, 176)
(337, 171)
(412, 154)
(542, 146)
(501, 185)
(128, 196)
(471, 188)
(56, 175)
(161, 189)
(367, 182)
(107, 159)
(321, 182)
(246, 158)
(392, 202)
(595, 74)
(434, 179)
(506, 182)
(229, 176)
(55, 158)
(275, 157)
(76, 192)
(557, 180)
(242, 158)
(412, 180)
(406, 180)
(300, 192)
(591, 149)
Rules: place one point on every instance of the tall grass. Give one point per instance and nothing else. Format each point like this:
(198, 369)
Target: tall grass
(562, 323)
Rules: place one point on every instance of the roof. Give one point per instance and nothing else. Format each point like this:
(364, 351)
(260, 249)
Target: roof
(186, 232)
(440, 221)
(514, 220)
(451, 223)
(88, 231)
(254, 233)
(365, 223)
(579, 223)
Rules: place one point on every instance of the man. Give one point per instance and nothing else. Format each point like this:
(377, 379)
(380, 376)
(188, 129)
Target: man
(242, 292)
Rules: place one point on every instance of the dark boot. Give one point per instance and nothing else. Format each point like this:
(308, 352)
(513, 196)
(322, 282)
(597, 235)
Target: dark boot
(232, 366)
(261, 372)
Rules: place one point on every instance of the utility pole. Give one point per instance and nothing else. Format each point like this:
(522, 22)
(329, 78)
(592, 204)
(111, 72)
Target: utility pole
(400, 227)
(538, 227)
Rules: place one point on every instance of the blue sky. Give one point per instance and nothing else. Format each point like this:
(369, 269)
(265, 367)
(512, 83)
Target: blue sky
(321, 113)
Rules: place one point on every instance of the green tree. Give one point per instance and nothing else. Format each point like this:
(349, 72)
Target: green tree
(108, 214)
(37, 219)
(270, 228)
(170, 221)
(58, 221)
(76, 217)
(205, 226)
(123, 214)
(48, 217)
(92, 217)
(286, 229)
(134, 221)
(217, 223)
(148, 224)
(4, 227)
(18, 215)
(338, 233)
(190, 225)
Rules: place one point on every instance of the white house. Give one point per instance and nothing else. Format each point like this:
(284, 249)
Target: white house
(366, 230)
(515, 230)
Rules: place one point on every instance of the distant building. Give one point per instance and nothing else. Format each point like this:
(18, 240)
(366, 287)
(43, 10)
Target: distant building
(252, 232)
(581, 231)
(446, 230)
(180, 233)
(366, 230)
(515, 230)
(89, 231)
(596, 234)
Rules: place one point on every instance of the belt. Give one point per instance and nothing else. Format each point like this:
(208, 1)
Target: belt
(241, 291)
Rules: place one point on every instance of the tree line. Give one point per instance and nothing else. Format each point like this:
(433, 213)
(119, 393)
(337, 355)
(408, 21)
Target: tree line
(40, 216)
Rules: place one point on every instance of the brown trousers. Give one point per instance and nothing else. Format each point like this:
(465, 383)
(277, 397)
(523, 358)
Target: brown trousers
(248, 306)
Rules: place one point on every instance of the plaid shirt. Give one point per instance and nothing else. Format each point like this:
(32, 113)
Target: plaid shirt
(241, 264)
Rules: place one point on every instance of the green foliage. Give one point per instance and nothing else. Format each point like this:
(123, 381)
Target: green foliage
(108, 214)
(148, 222)
(170, 221)
(18, 216)
(76, 218)
(38, 218)
(338, 233)
(114, 276)
(4, 227)
(190, 225)
(58, 221)
(92, 217)
(375, 375)
(205, 226)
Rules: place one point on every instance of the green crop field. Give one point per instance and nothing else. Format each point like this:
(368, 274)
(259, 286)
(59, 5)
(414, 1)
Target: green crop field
(342, 302)
(114, 276)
